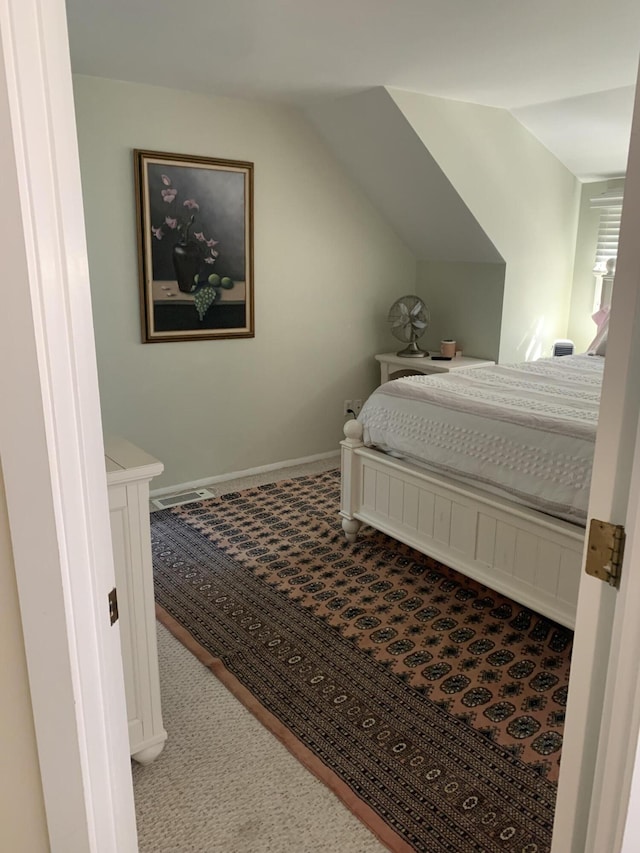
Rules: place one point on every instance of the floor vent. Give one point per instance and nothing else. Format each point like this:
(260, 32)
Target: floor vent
(182, 498)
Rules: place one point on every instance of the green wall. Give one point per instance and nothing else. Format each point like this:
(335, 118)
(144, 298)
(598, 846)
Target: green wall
(465, 302)
(327, 268)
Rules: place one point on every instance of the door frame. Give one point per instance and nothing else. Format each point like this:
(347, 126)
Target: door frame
(51, 445)
(603, 708)
(52, 457)
(612, 819)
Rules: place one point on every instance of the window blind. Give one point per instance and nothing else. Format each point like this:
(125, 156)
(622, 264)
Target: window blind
(610, 206)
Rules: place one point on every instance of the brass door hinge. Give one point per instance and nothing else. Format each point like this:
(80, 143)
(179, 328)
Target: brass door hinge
(113, 606)
(605, 550)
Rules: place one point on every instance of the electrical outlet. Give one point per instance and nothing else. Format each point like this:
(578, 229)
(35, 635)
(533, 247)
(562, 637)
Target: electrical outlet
(352, 407)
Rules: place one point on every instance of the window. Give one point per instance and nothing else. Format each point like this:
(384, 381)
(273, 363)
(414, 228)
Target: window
(610, 206)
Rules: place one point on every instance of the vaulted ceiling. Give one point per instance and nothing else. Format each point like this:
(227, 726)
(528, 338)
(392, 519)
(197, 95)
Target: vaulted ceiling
(567, 70)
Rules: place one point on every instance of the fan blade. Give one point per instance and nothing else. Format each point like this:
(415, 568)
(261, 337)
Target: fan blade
(400, 323)
(418, 324)
(417, 309)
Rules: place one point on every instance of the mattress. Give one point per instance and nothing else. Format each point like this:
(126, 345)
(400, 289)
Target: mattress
(523, 431)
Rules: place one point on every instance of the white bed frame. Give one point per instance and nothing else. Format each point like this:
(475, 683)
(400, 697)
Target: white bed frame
(528, 556)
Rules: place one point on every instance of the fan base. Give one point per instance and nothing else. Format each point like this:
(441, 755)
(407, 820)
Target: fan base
(412, 351)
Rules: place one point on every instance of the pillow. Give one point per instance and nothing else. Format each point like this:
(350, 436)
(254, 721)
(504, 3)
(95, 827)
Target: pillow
(598, 345)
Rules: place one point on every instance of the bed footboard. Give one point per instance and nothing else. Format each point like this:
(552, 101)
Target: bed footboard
(529, 557)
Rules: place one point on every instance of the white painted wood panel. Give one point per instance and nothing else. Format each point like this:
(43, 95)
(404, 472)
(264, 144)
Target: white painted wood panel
(442, 520)
(396, 499)
(426, 511)
(526, 557)
(411, 505)
(382, 494)
(117, 497)
(503, 546)
(569, 579)
(128, 489)
(51, 447)
(505, 553)
(369, 487)
(464, 522)
(486, 539)
(119, 538)
(548, 569)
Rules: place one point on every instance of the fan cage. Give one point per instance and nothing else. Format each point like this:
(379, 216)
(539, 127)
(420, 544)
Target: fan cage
(409, 312)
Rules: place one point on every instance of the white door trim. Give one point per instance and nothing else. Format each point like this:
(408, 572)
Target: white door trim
(618, 735)
(615, 767)
(51, 444)
(51, 451)
(602, 716)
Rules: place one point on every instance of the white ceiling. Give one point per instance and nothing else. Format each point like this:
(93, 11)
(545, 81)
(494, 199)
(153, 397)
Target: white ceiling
(590, 133)
(539, 59)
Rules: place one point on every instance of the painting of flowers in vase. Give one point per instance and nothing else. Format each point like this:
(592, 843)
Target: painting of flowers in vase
(195, 246)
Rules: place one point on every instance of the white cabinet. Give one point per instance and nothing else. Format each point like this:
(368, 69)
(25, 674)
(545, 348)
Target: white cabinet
(129, 471)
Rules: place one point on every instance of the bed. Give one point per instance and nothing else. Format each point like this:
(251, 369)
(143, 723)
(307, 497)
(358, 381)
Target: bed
(486, 469)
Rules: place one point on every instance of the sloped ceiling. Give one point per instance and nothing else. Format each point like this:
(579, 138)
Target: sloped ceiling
(465, 183)
(380, 149)
(503, 54)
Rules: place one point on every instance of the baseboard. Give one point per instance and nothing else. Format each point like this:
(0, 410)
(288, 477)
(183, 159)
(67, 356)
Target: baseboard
(248, 472)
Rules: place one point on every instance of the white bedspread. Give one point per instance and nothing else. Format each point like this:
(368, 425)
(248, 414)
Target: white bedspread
(524, 431)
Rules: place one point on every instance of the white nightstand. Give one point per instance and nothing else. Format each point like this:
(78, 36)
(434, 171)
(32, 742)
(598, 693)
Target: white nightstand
(394, 366)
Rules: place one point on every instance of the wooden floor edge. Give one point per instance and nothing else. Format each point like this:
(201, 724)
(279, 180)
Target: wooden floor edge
(385, 834)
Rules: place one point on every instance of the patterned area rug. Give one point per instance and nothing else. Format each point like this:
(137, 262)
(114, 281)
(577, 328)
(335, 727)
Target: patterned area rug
(431, 705)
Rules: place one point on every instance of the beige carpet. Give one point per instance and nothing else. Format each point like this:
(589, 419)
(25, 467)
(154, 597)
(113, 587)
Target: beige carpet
(223, 783)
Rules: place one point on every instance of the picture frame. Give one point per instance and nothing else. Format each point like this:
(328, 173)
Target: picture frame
(195, 246)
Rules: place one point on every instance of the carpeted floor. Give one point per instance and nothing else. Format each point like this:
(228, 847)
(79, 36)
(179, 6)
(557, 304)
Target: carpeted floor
(224, 784)
(436, 705)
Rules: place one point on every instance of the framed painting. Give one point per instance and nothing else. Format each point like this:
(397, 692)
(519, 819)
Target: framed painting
(195, 247)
